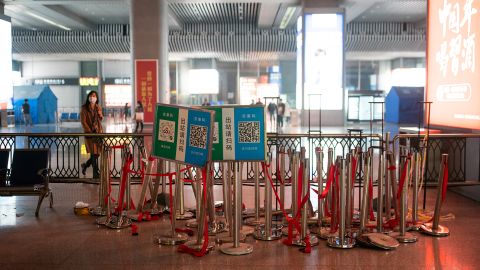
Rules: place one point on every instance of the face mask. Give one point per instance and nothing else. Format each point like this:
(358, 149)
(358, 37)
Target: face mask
(92, 99)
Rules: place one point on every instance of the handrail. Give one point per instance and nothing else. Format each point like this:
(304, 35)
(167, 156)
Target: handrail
(433, 136)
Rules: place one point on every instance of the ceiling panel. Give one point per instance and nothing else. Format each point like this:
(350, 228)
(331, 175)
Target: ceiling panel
(394, 11)
(216, 13)
(102, 13)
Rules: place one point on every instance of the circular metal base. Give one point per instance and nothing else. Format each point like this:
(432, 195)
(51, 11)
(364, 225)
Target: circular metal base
(197, 247)
(191, 223)
(97, 211)
(116, 222)
(217, 227)
(336, 242)
(285, 231)
(242, 249)
(322, 233)
(171, 240)
(382, 241)
(441, 231)
(247, 230)
(406, 238)
(363, 241)
(253, 221)
(301, 242)
(225, 237)
(101, 220)
(186, 215)
(274, 234)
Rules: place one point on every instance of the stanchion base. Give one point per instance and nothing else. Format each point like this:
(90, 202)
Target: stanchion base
(363, 241)
(322, 233)
(197, 247)
(253, 221)
(242, 249)
(382, 241)
(97, 211)
(285, 231)
(191, 223)
(336, 242)
(171, 240)
(225, 237)
(247, 230)
(301, 242)
(441, 231)
(186, 215)
(116, 222)
(217, 227)
(406, 238)
(101, 220)
(248, 213)
(261, 234)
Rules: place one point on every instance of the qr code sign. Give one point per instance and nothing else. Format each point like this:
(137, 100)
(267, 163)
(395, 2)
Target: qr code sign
(198, 136)
(215, 133)
(166, 131)
(249, 132)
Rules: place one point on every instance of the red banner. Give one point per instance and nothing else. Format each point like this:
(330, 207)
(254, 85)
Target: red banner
(453, 58)
(146, 85)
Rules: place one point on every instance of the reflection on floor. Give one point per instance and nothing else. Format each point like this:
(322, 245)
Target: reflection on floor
(60, 240)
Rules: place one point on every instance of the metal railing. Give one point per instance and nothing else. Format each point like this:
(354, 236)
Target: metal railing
(67, 151)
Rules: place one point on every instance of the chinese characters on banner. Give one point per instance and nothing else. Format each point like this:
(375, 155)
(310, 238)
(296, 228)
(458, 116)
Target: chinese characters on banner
(453, 85)
(146, 78)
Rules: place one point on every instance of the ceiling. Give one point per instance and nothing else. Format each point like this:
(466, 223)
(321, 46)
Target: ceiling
(64, 18)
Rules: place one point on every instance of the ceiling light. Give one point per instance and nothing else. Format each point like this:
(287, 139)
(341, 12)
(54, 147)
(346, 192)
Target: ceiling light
(287, 17)
(47, 20)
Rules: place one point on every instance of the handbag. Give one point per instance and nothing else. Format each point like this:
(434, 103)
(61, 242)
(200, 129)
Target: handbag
(139, 116)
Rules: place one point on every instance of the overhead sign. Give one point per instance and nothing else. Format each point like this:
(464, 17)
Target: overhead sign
(88, 81)
(452, 57)
(239, 133)
(146, 85)
(183, 134)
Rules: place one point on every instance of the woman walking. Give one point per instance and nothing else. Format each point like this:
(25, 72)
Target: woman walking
(91, 116)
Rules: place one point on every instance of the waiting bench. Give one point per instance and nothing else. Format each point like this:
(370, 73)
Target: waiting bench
(29, 175)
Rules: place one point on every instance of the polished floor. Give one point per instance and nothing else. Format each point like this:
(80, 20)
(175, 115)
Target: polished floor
(58, 239)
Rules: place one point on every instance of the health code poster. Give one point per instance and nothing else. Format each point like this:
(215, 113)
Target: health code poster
(182, 134)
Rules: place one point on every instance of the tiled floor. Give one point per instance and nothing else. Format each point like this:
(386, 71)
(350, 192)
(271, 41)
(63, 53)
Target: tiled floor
(60, 240)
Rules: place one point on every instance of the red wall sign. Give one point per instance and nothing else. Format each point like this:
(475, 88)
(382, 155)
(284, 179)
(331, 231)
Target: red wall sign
(453, 63)
(146, 84)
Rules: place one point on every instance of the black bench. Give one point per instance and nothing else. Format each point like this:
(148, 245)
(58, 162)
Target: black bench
(29, 175)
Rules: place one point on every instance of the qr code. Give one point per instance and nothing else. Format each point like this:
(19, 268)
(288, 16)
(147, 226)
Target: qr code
(249, 132)
(215, 133)
(166, 131)
(198, 136)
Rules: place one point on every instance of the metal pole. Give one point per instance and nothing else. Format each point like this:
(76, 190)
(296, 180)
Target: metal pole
(319, 156)
(349, 192)
(380, 193)
(416, 176)
(388, 199)
(306, 170)
(282, 176)
(227, 204)
(364, 206)
(435, 228)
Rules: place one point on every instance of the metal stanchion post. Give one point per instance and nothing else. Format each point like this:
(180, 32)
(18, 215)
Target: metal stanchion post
(237, 248)
(342, 240)
(365, 196)
(300, 241)
(201, 210)
(228, 236)
(268, 231)
(256, 220)
(282, 176)
(174, 238)
(416, 177)
(434, 228)
(351, 171)
(402, 235)
(198, 195)
(181, 214)
(319, 230)
(388, 198)
(393, 181)
(380, 193)
(101, 209)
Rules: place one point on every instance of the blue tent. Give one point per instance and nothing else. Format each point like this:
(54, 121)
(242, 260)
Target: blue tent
(401, 105)
(42, 100)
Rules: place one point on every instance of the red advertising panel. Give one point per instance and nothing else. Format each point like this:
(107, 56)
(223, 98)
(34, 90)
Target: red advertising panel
(453, 78)
(146, 78)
